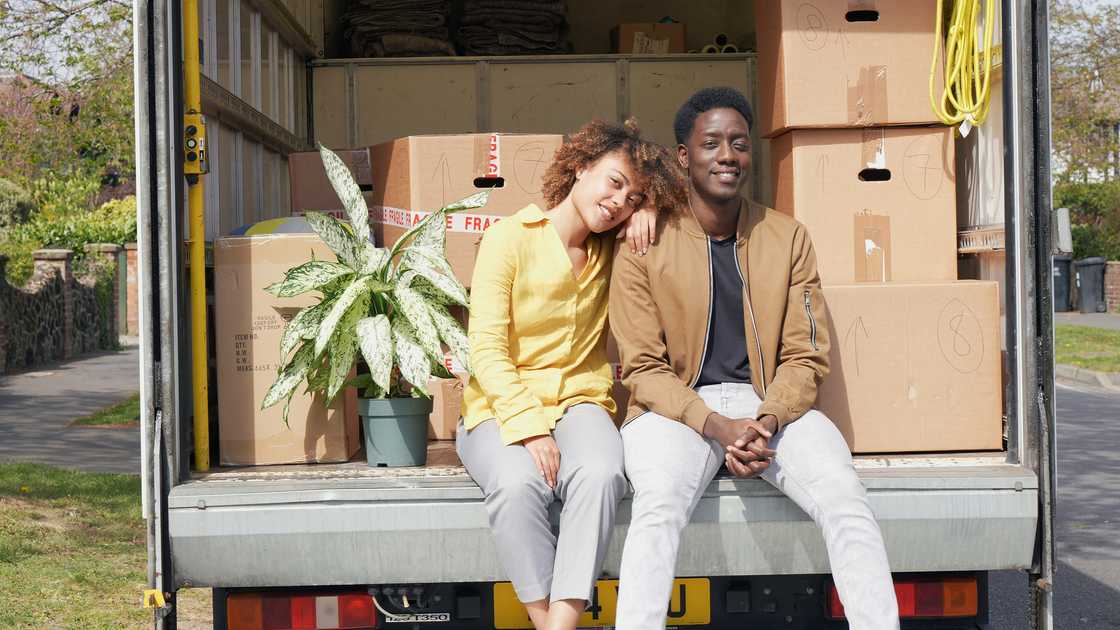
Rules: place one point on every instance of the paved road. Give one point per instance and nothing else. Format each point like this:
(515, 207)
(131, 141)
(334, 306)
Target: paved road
(1087, 584)
(37, 406)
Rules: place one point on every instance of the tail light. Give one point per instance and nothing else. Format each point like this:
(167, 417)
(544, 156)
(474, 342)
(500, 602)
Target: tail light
(925, 598)
(301, 611)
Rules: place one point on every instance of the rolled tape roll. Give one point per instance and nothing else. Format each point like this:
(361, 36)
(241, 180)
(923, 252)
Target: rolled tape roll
(730, 48)
(710, 49)
(721, 39)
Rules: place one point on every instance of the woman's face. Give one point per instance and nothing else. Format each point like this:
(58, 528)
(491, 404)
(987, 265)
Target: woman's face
(607, 192)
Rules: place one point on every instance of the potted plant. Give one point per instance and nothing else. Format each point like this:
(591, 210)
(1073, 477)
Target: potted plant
(388, 304)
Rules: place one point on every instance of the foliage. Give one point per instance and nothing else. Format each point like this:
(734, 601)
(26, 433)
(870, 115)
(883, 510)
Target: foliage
(125, 412)
(1095, 216)
(66, 92)
(16, 205)
(389, 305)
(1085, 89)
(112, 222)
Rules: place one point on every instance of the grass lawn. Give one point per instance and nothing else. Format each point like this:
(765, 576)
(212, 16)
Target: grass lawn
(1086, 347)
(72, 552)
(126, 412)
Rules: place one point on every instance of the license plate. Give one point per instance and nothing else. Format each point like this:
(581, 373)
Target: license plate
(689, 605)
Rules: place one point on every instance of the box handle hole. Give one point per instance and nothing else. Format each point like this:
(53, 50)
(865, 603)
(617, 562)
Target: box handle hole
(489, 182)
(864, 15)
(875, 175)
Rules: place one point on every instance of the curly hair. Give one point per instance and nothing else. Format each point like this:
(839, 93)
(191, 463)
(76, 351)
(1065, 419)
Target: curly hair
(705, 99)
(654, 163)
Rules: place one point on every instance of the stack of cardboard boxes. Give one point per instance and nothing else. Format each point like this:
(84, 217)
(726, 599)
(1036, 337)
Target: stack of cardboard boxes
(858, 159)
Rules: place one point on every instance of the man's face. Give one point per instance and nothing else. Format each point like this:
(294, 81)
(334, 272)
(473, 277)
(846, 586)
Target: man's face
(718, 153)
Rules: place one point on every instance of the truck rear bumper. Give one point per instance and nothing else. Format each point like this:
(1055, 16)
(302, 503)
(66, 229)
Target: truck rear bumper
(970, 514)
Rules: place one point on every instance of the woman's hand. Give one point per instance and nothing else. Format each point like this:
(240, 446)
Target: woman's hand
(639, 230)
(546, 454)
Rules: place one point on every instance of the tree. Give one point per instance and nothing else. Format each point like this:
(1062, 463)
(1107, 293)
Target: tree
(66, 89)
(1085, 90)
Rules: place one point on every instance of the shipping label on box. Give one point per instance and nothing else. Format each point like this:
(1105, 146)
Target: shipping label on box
(648, 38)
(417, 175)
(914, 367)
(828, 63)
(879, 204)
(249, 323)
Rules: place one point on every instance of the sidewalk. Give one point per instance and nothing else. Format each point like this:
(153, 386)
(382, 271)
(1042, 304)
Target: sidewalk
(37, 406)
(1110, 321)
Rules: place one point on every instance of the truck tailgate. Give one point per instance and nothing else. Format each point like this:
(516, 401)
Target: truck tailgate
(350, 524)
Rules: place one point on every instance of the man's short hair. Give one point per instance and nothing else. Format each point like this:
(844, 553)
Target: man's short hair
(706, 99)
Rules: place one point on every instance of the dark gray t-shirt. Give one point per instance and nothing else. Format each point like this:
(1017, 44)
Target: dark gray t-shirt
(725, 360)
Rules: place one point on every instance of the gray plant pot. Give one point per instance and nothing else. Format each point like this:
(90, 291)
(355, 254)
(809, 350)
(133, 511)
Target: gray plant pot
(396, 430)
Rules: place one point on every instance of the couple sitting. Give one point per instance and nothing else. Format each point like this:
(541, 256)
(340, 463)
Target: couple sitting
(723, 339)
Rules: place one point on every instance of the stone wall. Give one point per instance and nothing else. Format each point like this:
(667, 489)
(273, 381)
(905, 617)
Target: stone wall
(58, 315)
(1112, 286)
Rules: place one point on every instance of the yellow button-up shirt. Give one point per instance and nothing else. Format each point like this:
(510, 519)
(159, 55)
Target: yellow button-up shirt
(537, 331)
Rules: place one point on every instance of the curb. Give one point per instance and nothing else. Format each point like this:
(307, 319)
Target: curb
(1071, 374)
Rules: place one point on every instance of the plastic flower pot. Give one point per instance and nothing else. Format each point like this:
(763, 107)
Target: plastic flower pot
(396, 430)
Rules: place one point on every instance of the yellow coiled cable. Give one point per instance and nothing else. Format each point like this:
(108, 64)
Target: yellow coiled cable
(966, 98)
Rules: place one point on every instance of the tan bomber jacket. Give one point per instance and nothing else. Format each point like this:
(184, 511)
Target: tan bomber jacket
(660, 311)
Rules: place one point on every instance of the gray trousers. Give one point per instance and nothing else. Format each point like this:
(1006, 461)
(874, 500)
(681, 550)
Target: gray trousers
(590, 483)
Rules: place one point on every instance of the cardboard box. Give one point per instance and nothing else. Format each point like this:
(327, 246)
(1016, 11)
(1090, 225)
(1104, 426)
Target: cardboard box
(447, 400)
(880, 204)
(311, 190)
(415, 175)
(248, 325)
(648, 38)
(916, 367)
(854, 63)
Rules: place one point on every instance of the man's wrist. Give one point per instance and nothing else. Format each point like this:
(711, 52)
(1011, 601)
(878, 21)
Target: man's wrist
(712, 424)
(770, 422)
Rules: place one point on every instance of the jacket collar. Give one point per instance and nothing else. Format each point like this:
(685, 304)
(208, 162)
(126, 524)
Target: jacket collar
(748, 217)
(531, 214)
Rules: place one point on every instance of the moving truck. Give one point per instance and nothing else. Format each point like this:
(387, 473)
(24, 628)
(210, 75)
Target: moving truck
(346, 545)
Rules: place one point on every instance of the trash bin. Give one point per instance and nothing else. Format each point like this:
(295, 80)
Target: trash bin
(1062, 264)
(1090, 284)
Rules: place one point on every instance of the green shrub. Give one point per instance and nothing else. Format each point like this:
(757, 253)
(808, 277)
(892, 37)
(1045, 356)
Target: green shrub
(16, 205)
(64, 194)
(112, 222)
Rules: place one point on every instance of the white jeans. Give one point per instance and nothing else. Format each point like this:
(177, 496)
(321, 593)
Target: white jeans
(670, 466)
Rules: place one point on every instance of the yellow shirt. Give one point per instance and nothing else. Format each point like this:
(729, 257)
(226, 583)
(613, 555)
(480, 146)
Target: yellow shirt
(537, 332)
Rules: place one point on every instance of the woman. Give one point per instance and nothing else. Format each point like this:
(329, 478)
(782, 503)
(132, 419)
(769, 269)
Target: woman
(536, 423)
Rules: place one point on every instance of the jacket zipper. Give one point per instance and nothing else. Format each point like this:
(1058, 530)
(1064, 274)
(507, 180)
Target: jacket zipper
(708, 325)
(754, 325)
(812, 322)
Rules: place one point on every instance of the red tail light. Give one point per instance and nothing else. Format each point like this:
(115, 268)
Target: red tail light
(925, 598)
(300, 611)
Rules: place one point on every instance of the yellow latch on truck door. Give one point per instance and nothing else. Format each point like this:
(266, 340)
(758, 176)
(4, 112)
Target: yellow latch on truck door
(195, 159)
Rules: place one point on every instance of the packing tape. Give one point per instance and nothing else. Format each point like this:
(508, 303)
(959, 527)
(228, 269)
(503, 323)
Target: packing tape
(457, 222)
(729, 48)
(867, 99)
(488, 155)
(871, 247)
(873, 149)
(721, 39)
(710, 49)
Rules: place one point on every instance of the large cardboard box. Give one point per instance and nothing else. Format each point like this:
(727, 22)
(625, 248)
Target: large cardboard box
(248, 325)
(844, 63)
(648, 38)
(880, 204)
(447, 402)
(415, 175)
(915, 367)
(311, 190)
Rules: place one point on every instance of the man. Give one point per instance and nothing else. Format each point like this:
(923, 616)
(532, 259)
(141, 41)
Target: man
(723, 337)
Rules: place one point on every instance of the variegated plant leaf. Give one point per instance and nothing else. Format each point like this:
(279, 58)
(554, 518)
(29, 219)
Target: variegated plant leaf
(340, 307)
(304, 325)
(374, 258)
(343, 345)
(432, 233)
(289, 377)
(348, 192)
(319, 377)
(437, 272)
(438, 219)
(415, 309)
(337, 237)
(415, 365)
(307, 277)
(453, 335)
(375, 339)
